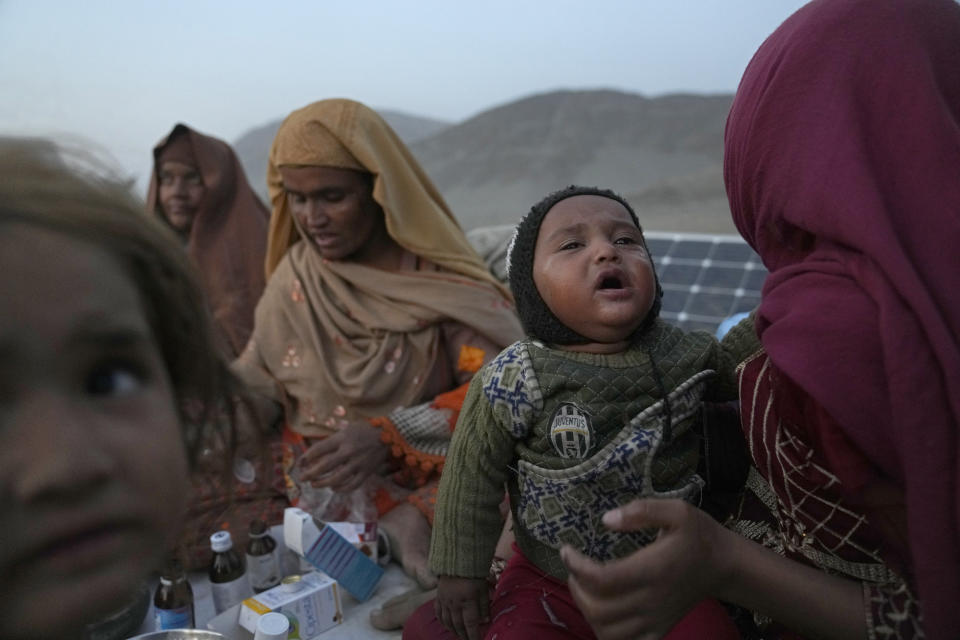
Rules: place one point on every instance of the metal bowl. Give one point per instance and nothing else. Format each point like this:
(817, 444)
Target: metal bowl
(181, 634)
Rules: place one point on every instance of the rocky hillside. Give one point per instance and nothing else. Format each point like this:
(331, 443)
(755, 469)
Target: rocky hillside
(664, 154)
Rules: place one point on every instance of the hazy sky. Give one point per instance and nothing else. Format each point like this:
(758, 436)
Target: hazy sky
(122, 72)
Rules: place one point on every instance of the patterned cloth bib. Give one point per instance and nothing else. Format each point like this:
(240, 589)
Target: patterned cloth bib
(564, 506)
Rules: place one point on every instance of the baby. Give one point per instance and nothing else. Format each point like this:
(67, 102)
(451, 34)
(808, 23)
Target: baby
(103, 336)
(597, 406)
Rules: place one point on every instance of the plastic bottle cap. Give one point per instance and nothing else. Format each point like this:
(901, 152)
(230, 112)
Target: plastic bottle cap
(272, 626)
(291, 583)
(244, 471)
(221, 541)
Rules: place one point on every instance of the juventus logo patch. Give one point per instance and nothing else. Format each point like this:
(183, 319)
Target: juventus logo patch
(571, 432)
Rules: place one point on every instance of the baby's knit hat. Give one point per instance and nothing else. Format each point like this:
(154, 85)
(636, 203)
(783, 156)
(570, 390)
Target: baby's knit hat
(537, 318)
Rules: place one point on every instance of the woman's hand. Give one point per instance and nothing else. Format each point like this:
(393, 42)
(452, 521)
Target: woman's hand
(345, 459)
(463, 605)
(645, 594)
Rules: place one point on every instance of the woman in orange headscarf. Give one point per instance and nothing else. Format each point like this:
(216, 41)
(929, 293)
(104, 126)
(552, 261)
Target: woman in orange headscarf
(199, 189)
(376, 314)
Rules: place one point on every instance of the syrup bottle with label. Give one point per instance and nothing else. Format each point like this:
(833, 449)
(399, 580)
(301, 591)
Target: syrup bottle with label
(229, 582)
(173, 601)
(262, 558)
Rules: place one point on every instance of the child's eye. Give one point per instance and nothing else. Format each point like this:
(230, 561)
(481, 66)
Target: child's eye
(333, 195)
(296, 198)
(625, 240)
(114, 379)
(572, 244)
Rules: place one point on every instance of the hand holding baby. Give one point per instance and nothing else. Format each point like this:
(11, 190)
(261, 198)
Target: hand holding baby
(646, 593)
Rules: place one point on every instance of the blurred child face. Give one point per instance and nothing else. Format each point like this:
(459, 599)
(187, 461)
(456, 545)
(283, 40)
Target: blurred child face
(92, 466)
(181, 192)
(592, 270)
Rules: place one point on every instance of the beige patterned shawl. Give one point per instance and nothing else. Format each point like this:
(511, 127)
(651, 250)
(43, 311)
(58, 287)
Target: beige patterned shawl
(336, 340)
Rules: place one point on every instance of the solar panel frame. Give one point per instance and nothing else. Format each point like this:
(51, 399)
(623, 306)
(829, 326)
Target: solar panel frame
(705, 278)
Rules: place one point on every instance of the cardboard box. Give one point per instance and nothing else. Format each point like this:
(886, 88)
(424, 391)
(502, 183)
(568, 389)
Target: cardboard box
(312, 604)
(362, 535)
(331, 553)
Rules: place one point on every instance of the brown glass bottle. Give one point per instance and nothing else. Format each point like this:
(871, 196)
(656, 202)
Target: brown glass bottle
(229, 583)
(173, 601)
(262, 558)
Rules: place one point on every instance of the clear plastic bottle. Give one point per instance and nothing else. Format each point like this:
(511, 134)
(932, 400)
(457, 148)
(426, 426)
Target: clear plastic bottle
(173, 600)
(262, 558)
(229, 582)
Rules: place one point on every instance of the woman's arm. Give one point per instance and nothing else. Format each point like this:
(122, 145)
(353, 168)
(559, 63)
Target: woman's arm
(418, 436)
(800, 597)
(467, 351)
(694, 557)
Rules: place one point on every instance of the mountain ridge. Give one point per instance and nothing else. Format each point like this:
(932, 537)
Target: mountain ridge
(664, 154)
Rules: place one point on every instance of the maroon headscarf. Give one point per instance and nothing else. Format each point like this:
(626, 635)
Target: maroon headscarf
(842, 168)
(228, 237)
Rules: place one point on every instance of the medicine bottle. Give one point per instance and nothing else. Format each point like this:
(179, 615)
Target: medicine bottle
(228, 573)
(262, 558)
(173, 601)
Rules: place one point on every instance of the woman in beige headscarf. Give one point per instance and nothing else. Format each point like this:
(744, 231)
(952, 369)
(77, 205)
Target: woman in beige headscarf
(376, 314)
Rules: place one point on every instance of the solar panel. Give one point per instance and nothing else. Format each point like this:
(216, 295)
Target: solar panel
(705, 278)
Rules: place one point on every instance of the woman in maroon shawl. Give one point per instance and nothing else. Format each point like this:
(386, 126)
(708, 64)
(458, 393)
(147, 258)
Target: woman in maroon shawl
(199, 189)
(843, 172)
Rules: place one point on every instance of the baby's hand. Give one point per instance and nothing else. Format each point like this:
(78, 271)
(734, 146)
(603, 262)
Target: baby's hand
(462, 605)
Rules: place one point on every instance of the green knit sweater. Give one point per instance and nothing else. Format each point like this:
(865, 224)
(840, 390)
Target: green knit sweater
(570, 435)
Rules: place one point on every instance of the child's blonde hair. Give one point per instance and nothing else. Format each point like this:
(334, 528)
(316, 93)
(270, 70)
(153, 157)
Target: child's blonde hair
(70, 192)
